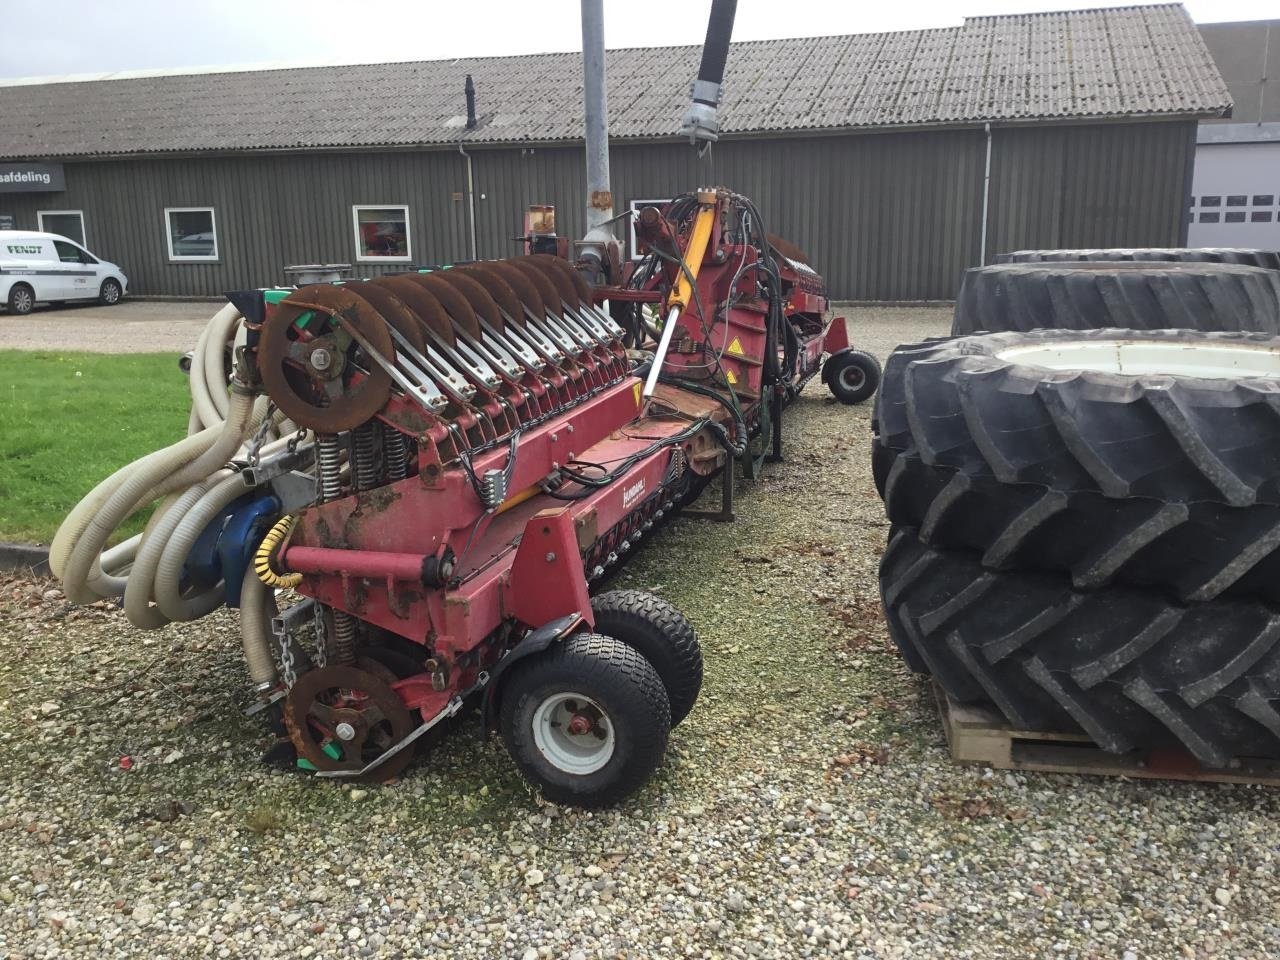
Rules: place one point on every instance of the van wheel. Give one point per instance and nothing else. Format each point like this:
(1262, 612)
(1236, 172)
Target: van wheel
(110, 292)
(21, 299)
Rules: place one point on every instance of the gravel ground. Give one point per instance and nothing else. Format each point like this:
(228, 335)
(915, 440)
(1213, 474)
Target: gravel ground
(133, 326)
(807, 809)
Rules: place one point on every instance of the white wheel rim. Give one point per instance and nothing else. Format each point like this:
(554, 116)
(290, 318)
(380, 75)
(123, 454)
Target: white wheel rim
(1134, 357)
(22, 300)
(573, 752)
(113, 293)
(852, 377)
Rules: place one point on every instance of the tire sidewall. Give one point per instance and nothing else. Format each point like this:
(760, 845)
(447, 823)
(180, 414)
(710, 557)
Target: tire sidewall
(648, 640)
(636, 737)
(13, 300)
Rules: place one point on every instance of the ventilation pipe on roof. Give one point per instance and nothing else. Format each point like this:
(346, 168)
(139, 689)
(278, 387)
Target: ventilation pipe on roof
(986, 198)
(470, 90)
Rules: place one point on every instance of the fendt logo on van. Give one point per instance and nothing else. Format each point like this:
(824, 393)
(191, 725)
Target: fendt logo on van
(22, 248)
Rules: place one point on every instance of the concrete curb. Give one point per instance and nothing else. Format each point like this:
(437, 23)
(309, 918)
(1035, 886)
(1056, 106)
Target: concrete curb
(24, 558)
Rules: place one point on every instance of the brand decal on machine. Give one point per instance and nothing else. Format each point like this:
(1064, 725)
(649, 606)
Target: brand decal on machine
(22, 248)
(632, 493)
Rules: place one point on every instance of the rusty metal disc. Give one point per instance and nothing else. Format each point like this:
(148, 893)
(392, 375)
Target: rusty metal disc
(524, 289)
(478, 298)
(392, 308)
(454, 303)
(502, 292)
(557, 270)
(546, 289)
(305, 358)
(343, 718)
(422, 303)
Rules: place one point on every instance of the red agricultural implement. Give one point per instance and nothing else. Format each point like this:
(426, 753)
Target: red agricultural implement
(433, 470)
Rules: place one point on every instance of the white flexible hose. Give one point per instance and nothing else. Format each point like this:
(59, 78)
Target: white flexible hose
(257, 607)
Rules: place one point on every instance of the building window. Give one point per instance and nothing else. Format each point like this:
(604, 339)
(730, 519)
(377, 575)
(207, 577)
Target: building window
(67, 223)
(1211, 201)
(192, 233)
(1209, 217)
(635, 206)
(1237, 200)
(382, 233)
(1236, 217)
(1263, 199)
(1260, 216)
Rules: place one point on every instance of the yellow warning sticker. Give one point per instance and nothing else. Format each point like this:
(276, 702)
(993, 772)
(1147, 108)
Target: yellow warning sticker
(733, 381)
(639, 389)
(735, 347)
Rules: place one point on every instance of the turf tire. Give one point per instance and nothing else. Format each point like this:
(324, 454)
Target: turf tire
(662, 635)
(629, 691)
(1127, 666)
(852, 376)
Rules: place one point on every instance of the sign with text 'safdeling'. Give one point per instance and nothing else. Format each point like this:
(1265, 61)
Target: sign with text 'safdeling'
(31, 178)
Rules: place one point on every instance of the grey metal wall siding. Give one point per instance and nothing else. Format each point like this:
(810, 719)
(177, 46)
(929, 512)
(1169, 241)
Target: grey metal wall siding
(885, 216)
(1113, 185)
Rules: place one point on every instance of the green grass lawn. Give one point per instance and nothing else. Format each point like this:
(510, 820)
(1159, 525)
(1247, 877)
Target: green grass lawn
(69, 419)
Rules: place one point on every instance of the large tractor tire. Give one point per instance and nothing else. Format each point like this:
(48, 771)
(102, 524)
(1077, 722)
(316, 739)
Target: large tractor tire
(1089, 295)
(1127, 666)
(1169, 415)
(1194, 551)
(1269, 259)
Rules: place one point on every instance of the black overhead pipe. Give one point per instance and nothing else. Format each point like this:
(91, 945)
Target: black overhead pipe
(701, 121)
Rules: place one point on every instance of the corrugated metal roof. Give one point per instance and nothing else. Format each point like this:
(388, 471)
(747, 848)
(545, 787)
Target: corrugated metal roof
(1116, 62)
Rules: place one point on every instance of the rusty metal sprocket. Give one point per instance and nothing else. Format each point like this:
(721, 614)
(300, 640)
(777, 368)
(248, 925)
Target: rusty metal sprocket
(305, 370)
(342, 718)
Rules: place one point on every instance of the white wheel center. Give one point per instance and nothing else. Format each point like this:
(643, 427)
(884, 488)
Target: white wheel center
(573, 733)
(1191, 358)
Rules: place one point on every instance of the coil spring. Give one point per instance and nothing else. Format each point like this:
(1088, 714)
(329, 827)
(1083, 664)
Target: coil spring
(395, 454)
(344, 637)
(366, 446)
(329, 466)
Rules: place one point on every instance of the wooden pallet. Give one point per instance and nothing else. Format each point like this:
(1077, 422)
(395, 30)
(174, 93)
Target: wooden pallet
(977, 734)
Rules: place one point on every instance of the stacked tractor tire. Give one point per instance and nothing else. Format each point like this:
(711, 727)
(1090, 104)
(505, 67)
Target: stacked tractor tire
(1083, 485)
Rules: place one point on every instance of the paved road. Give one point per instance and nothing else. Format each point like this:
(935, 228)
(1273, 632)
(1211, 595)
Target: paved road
(134, 326)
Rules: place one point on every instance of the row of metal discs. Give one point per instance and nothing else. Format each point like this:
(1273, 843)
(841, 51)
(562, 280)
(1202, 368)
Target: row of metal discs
(303, 353)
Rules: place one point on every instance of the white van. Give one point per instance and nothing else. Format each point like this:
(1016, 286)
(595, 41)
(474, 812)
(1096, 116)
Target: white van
(42, 267)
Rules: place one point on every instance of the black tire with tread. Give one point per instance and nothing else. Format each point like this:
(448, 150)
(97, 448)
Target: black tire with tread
(1193, 551)
(1127, 666)
(629, 691)
(955, 403)
(1267, 259)
(18, 306)
(662, 635)
(102, 292)
(1088, 295)
(864, 364)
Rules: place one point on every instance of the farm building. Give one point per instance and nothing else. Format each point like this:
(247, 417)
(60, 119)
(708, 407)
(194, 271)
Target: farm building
(889, 157)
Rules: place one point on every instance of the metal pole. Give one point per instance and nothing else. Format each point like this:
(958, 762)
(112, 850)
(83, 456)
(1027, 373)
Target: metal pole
(596, 123)
(986, 198)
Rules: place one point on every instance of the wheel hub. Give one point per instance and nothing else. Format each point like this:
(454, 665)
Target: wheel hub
(573, 733)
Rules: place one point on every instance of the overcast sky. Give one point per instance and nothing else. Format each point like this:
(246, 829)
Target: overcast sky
(42, 38)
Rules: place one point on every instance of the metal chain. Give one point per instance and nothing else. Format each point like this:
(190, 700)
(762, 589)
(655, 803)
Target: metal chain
(260, 437)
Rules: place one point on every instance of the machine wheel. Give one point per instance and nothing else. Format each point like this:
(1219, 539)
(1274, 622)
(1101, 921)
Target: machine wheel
(22, 299)
(1195, 551)
(1269, 259)
(1091, 295)
(852, 375)
(1128, 666)
(662, 635)
(586, 721)
(110, 293)
(1198, 421)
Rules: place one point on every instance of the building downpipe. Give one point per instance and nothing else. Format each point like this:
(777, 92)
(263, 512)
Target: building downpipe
(986, 198)
(470, 91)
